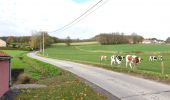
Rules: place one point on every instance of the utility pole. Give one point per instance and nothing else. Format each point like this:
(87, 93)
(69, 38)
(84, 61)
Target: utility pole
(43, 43)
(40, 44)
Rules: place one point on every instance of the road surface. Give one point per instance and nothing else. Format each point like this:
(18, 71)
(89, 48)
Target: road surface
(121, 85)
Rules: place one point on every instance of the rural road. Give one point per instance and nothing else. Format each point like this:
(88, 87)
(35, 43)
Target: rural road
(121, 85)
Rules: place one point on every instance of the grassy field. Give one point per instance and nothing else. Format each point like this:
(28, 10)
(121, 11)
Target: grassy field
(61, 85)
(32, 67)
(129, 47)
(90, 53)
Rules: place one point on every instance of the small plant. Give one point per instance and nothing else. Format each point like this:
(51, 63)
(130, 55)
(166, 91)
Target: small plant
(24, 78)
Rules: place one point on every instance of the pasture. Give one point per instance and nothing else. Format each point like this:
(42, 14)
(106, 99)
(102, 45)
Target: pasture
(90, 53)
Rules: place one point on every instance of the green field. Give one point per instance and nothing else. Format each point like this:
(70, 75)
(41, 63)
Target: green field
(32, 67)
(61, 85)
(90, 53)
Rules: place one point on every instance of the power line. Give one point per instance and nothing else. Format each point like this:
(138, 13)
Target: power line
(67, 25)
(83, 17)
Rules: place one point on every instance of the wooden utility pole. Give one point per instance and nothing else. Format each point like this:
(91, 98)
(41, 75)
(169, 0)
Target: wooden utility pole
(40, 44)
(43, 43)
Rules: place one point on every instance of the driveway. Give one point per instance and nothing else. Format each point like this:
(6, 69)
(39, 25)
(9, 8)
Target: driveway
(121, 85)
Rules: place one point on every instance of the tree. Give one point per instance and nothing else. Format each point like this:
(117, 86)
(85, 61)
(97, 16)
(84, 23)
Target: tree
(10, 39)
(168, 40)
(113, 38)
(68, 41)
(37, 39)
(136, 38)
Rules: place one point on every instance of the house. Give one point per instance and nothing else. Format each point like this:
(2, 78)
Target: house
(2, 43)
(152, 41)
(5, 73)
(160, 41)
(147, 41)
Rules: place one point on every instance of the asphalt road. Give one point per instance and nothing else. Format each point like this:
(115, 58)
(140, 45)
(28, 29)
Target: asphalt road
(121, 85)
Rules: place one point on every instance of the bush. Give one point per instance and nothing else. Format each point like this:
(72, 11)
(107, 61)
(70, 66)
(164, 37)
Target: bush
(24, 79)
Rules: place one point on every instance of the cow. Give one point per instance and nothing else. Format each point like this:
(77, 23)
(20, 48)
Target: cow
(155, 58)
(133, 59)
(103, 58)
(116, 59)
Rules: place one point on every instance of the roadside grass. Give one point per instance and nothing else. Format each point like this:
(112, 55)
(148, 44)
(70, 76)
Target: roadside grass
(35, 68)
(61, 85)
(90, 54)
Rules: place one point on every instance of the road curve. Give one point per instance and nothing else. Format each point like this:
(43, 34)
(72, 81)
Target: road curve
(123, 86)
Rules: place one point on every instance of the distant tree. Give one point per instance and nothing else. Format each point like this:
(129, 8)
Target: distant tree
(10, 39)
(4, 38)
(47, 38)
(123, 39)
(168, 40)
(56, 40)
(37, 39)
(113, 38)
(68, 41)
(136, 38)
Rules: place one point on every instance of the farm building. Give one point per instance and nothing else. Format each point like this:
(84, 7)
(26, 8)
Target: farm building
(5, 73)
(147, 41)
(152, 41)
(2, 43)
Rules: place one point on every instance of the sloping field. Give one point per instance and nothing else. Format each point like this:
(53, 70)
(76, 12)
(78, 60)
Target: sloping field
(128, 48)
(91, 54)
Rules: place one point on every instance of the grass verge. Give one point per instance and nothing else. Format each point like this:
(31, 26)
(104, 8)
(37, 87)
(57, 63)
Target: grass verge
(61, 85)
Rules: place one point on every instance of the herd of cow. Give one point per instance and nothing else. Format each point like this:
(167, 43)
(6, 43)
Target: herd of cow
(132, 60)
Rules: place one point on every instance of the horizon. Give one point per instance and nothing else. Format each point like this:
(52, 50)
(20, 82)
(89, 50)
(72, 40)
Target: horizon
(83, 38)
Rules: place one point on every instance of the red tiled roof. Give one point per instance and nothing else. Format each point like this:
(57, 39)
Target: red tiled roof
(3, 54)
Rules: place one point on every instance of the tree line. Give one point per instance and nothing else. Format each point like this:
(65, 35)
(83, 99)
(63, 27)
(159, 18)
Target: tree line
(35, 41)
(30, 42)
(168, 40)
(118, 38)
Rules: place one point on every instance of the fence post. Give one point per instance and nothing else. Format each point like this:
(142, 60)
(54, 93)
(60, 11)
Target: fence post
(162, 67)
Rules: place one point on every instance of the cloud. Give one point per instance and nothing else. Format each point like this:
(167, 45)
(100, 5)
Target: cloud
(149, 18)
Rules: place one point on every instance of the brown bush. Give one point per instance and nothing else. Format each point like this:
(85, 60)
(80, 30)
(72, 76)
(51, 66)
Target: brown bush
(24, 78)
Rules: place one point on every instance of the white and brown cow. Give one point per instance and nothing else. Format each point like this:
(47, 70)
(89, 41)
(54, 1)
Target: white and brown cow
(155, 58)
(116, 59)
(132, 59)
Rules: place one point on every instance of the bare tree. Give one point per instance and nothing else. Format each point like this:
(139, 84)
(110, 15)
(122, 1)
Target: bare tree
(36, 39)
(168, 40)
(68, 41)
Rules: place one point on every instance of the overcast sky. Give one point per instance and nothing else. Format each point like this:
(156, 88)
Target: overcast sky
(149, 18)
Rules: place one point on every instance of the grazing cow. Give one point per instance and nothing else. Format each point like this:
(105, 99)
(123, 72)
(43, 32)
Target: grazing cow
(116, 59)
(132, 59)
(155, 58)
(103, 58)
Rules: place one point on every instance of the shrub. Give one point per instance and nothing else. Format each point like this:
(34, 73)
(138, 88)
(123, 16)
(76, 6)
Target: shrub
(24, 78)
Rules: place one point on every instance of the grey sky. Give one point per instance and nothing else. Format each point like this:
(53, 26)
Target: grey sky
(149, 18)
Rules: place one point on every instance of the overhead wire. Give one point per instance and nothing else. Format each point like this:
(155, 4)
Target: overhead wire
(81, 17)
